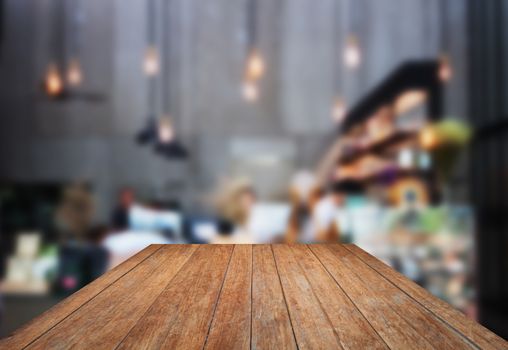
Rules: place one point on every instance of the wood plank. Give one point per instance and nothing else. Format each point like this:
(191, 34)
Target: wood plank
(437, 332)
(353, 329)
(475, 332)
(180, 318)
(41, 324)
(271, 326)
(231, 324)
(103, 322)
(311, 325)
(394, 330)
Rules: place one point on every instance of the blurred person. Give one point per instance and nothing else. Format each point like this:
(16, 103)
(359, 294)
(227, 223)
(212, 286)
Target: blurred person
(227, 234)
(332, 217)
(325, 213)
(82, 262)
(303, 194)
(75, 213)
(120, 215)
(234, 200)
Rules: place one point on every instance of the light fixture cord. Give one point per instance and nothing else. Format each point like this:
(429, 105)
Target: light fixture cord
(152, 98)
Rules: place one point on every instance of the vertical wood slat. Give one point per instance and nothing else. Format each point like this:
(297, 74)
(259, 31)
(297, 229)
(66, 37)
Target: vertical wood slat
(389, 324)
(311, 325)
(475, 332)
(181, 316)
(353, 329)
(431, 328)
(271, 326)
(103, 322)
(47, 320)
(231, 325)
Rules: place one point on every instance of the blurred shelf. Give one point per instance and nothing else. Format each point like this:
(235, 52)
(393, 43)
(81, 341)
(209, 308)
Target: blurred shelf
(379, 146)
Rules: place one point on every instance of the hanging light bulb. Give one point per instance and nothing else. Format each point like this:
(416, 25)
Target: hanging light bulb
(445, 69)
(255, 65)
(151, 61)
(339, 110)
(74, 73)
(250, 90)
(165, 130)
(53, 82)
(352, 56)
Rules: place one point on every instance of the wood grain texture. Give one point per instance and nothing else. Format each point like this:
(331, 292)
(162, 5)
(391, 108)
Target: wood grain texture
(353, 329)
(180, 318)
(382, 316)
(260, 297)
(475, 332)
(271, 326)
(103, 322)
(312, 327)
(433, 330)
(41, 324)
(231, 326)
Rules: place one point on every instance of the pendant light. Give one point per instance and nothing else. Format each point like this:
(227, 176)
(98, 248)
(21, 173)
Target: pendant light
(149, 133)
(151, 60)
(445, 70)
(165, 125)
(74, 71)
(254, 64)
(167, 143)
(352, 53)
(53, 83)
(250, 90)
(338, 110)
(159, 130)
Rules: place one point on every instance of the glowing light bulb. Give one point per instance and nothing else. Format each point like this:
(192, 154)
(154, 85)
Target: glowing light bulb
(250, 91)
(339, 110)
(428, 138)
(255, 66)
(151, 61)
(445, 69)
(352, 56)
(74, 73)
(165, 130)
(53, 82)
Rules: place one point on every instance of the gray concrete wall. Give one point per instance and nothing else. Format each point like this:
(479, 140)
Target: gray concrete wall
(301, 41)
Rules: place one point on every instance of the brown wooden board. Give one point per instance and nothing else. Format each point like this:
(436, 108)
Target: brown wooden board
(41, 324)
(253, 296)
(475, 332)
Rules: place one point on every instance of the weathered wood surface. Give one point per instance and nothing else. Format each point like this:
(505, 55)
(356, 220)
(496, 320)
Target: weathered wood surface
(253, 296)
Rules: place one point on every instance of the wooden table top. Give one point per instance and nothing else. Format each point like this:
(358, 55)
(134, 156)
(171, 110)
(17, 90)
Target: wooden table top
(253, 296)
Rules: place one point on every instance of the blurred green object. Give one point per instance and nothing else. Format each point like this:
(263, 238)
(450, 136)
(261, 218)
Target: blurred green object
(453, 136)
(453, 132)
(432, 219)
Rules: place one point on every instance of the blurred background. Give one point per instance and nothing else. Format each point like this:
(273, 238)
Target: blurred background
(125, 123)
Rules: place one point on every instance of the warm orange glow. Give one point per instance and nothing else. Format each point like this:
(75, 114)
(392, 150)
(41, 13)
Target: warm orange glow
(53, 82)
(409, 100)
(339, 110)
(250, 91)
(255, 66)
(151, 61)
(445, 69)
(428, 138)
(352, 55)
(166, 132)
(74, 74)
